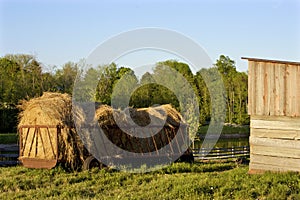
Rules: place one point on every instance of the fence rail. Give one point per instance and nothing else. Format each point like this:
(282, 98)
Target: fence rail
(9, 154)
(220, 153)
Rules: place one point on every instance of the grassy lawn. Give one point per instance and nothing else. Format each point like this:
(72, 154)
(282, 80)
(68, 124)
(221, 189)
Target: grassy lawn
(8, 138)
(178, 181)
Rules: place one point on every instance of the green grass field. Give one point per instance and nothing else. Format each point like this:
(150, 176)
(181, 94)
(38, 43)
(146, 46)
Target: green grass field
(201, 180)
(178, 181)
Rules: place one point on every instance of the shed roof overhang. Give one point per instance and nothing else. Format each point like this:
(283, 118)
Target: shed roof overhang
(271, 61)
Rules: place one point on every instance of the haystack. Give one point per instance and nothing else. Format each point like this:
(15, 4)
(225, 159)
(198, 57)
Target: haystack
(164, 115)
(141, 116)
(51, 109)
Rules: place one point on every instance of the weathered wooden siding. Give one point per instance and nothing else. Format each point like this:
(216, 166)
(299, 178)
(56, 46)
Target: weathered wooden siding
(274, 144)
(274, 106)
(274, 88)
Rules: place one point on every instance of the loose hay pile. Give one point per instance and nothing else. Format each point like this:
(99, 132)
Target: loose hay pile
(161, 116)
(141, 116)
(51, 109)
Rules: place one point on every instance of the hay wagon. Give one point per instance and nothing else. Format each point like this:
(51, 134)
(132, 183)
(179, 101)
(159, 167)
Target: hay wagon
(40, 148)
(47, 136)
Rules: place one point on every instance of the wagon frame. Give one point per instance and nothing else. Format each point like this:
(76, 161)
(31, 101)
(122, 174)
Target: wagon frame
(36, 157)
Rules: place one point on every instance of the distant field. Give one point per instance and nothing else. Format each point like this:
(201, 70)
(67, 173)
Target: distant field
(228, 130)
(8, 138)
(178, 181)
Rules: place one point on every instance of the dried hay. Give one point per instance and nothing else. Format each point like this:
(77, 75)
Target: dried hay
(104, 116)
(164, 114)
(51, 109)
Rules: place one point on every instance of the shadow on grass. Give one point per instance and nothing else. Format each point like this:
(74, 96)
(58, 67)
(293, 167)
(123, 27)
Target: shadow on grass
(196, 167)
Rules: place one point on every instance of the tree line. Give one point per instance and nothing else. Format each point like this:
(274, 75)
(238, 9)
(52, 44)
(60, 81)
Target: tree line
(22, 77)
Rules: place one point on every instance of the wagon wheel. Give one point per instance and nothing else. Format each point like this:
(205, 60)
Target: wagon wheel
(187, 156)
(91, 162)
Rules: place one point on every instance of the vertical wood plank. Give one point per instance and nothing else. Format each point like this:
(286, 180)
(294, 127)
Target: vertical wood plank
(298, 91)
(282, 100)
(265, 108)
(254, 78)
(294, 87)
(291, 87)
(259, 89)
(268, 97)
(272, 82)
(251, 87)
(279, 89)
(288, 90)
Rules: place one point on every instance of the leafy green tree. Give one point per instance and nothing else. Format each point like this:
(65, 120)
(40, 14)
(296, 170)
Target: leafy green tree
(29, 75)
(236, 87)
(204, 97)
(122, 71)
(9, 84)
(181, 80)
(227, 68)
(107, 77)
(149, 93)
(20, 79)
(123, 88)
(182, 90)
(65, 77)
(49, 82)
(241, 96)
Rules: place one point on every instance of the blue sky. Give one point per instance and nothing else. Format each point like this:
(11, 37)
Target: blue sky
(61, 31)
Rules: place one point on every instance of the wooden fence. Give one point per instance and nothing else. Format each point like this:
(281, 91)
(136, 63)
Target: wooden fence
(221, 153)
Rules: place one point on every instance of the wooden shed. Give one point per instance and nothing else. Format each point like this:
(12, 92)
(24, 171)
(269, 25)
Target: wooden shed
(274, 109)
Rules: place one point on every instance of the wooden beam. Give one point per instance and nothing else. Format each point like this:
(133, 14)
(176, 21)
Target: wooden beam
(277, 123)
(271, 61)
(275, 151)
(279, 134)
(292, 144)
(274, 163)
(258, 168)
